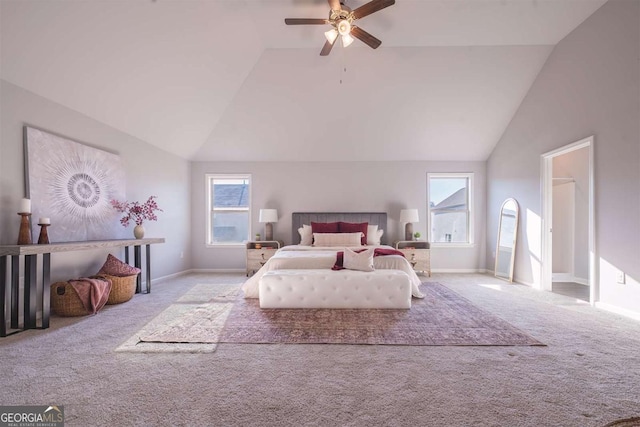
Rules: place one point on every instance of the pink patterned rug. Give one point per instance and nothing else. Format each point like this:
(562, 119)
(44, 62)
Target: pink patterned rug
(442, 318)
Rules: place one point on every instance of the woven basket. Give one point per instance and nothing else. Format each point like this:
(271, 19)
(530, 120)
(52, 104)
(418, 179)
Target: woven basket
(122, 288)
(65, 300)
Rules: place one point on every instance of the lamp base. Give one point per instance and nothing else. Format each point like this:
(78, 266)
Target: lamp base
(408, 231)
(268, 231)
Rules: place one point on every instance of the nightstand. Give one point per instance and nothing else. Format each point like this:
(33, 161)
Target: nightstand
(259, 251)
(417, 253)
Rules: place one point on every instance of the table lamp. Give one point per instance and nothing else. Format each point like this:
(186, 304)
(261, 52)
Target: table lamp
(268, 217)
(409, 216)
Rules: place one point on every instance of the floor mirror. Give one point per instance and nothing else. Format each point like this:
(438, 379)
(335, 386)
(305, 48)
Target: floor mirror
(507, 235)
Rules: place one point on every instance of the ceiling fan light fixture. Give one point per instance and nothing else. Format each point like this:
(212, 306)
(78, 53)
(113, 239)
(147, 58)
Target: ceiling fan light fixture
(347, 40)
(344, 27)
(341, 19)
(331, 35)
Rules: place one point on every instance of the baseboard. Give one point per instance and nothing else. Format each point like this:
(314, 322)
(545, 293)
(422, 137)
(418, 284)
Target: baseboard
(169, 276)
(217, 270)
(618, 310)
(459, 270)
(238, 270)
(566, 277)
(199, 270)
(561, 277)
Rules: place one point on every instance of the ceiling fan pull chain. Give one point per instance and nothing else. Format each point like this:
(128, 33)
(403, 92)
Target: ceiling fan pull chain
(343, 68)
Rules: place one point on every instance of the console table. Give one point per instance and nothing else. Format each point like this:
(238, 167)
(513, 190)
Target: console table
(29, 294)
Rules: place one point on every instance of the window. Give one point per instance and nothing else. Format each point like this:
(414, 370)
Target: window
(229, 216)
(450, 208)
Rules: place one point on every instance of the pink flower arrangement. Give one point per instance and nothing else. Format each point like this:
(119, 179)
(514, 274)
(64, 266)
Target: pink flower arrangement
(136, 212)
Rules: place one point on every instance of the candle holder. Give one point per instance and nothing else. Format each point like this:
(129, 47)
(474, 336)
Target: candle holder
(24, 235)
(44, 236)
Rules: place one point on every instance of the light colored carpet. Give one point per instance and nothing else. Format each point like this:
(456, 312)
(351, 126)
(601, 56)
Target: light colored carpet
(588, 375)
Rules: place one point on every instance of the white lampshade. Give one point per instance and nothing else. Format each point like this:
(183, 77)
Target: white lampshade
(268, 215)
(331, 35)
(344, 27)
(409, 215)
(347, 40)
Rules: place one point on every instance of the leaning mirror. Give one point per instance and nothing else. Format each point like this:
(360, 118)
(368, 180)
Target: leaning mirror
(506, 246)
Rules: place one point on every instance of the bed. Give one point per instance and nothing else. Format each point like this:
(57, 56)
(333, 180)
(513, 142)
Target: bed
(301, 276)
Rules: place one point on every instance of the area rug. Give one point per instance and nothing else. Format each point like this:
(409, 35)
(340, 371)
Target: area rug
(190, 325)
(211, 314)
(627, 422)
(442, 318)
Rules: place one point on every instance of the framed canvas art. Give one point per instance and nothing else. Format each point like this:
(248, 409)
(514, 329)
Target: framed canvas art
(73, 184)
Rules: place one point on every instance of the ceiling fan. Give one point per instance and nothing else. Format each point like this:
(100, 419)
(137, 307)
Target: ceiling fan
(341, 19)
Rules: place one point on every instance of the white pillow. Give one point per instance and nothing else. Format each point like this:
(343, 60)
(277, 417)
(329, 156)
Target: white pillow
(306, 238)
(374, 235)
(362, 261)
(337, 239)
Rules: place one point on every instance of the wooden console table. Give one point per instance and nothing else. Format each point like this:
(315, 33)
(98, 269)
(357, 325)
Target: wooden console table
(29, 294)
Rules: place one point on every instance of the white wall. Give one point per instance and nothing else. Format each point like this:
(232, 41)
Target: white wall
(336, 186)
(149, 171)
(590, 85)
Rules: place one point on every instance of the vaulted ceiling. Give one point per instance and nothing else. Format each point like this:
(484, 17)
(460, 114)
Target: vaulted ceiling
(228, 80)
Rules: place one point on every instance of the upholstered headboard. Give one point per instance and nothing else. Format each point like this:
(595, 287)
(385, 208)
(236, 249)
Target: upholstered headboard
(373, 218)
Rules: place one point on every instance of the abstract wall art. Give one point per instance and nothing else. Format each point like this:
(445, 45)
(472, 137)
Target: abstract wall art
(73, 184)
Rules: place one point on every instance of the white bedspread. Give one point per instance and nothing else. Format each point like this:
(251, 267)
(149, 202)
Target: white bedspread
(298, 257)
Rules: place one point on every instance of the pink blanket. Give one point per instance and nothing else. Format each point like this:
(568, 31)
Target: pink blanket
(93, 293)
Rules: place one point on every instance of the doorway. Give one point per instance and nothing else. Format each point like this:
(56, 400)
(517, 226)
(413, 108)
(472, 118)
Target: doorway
(568, 236)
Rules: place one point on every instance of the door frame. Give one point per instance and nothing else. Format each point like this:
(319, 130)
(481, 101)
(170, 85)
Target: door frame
(546, 176)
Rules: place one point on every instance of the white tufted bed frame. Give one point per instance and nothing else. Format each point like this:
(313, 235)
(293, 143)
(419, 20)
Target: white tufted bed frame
(305, 288)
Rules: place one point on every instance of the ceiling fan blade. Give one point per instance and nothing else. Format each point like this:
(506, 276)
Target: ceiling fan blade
(305, 21)
(335, 4)
(367, 38)
(326, 49)
(371, 7)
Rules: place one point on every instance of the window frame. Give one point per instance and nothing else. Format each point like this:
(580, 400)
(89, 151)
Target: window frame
(209, 209)
(470, 209)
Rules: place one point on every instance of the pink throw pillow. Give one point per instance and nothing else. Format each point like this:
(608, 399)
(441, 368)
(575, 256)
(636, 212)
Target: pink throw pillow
(114, 267)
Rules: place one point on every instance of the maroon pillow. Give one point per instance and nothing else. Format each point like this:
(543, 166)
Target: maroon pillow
(324, 227)
(114, 267)
(354, 227)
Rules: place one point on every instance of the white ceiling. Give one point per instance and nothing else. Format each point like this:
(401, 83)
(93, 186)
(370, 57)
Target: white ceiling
(227, 80)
